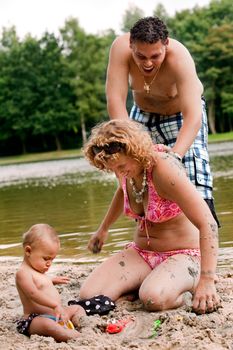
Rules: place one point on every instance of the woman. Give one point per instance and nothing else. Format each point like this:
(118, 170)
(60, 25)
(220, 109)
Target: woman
(175, 245)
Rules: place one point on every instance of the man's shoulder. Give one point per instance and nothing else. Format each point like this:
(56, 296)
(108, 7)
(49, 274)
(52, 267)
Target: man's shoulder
(177, 53)
(121, 41)
(176, 47)
(120, 46)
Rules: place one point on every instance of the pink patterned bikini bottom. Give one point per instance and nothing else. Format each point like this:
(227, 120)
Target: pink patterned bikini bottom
(153, 258)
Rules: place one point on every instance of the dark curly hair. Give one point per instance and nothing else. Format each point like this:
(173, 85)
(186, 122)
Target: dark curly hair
(149, 30)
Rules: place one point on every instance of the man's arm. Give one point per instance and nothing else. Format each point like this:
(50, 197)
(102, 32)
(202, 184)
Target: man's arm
(189, 90)
(117, 78)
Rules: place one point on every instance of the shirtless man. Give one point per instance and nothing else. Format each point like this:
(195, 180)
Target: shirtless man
(167, 96)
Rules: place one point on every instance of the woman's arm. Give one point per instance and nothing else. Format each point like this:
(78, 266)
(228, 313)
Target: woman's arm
(114, 211)
(173, 184)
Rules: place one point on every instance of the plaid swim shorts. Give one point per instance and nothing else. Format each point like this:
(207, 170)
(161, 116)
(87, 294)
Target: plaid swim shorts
(164, 129)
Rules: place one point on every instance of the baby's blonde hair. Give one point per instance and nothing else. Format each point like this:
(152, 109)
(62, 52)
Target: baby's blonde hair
(39, 232)
(136, 143)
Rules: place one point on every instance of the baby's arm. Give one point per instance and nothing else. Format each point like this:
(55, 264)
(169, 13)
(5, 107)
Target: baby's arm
(25, 282)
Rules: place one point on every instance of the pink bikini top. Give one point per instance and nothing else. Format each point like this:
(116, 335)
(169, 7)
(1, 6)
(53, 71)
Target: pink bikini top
(158, 209)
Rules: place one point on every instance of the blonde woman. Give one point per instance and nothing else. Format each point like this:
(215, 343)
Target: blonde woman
(175, 243)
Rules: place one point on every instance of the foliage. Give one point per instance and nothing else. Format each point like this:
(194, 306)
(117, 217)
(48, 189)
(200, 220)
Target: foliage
(52, 89)
(131, 15)
(87, 56)
(161, 12)
(208, 34)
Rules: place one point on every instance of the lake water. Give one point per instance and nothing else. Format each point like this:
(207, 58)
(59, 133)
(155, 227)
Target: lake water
(73, 197)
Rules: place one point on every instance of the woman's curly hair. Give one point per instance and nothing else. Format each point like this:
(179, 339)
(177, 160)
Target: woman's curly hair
(134, 140)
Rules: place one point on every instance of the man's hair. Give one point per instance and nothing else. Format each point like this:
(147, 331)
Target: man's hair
(149, 30)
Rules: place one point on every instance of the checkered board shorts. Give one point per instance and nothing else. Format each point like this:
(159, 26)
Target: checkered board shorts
(164, 129)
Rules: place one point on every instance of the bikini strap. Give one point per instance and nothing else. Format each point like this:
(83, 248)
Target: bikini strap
(149, 176)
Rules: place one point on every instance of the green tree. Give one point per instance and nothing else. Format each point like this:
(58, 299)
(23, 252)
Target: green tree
(17, 87)
(36, 97)
(131, 16)
(161, 12)
(55, 112)
(207, 32)
(86, 55)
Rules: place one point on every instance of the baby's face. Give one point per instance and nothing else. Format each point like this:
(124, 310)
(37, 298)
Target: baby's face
(41, 255)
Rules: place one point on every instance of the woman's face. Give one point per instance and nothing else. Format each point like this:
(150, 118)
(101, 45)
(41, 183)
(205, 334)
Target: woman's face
(125, 166)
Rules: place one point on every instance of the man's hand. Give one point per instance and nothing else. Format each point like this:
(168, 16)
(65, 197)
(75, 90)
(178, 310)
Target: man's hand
(163, 148)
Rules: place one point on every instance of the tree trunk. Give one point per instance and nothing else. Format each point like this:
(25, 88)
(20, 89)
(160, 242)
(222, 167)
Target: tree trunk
(58, 143)
(211, 116)
(24, 148)
(84, 133)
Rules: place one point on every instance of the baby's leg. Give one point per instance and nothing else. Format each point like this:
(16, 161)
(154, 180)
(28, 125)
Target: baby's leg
(47, 327)
(76, 315)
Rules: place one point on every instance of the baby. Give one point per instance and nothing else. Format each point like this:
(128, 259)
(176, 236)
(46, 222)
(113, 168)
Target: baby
(43, 311)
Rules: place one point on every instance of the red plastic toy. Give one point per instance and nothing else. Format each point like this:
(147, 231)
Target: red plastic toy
(116, 326)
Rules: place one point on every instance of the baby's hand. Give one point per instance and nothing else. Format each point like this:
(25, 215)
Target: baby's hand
(60, 280)
(61, 314)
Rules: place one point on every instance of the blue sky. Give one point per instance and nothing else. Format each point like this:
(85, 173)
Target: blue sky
(37, 16)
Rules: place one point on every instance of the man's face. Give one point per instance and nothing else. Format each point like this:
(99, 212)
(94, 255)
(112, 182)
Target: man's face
(148, 57)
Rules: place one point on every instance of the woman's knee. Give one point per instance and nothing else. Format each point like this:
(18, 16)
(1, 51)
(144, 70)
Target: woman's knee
(156, 299)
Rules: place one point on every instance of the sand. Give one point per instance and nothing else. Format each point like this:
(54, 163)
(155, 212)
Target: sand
(179, 329)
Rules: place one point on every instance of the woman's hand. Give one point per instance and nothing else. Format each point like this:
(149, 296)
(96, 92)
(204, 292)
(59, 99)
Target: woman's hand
(205, 298)
(97, 240)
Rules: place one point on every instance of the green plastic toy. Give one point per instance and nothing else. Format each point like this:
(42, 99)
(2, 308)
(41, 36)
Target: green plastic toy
(156, 325)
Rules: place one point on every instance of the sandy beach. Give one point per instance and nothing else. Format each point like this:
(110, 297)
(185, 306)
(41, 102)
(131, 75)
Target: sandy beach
(179, 329)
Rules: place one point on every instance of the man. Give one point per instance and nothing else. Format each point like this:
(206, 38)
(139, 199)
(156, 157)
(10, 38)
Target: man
(167, 96)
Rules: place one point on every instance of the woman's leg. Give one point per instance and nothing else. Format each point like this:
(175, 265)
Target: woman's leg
(119, 274)
(164, 287)
(47, 327)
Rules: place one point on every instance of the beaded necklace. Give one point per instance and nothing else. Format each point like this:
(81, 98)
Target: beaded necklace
(138, 195)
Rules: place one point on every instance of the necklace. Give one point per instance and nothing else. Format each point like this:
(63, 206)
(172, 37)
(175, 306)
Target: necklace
(138, 195)
(147, 86)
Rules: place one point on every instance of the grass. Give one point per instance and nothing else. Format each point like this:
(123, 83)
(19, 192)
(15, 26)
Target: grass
(226, 136)
(36, 157)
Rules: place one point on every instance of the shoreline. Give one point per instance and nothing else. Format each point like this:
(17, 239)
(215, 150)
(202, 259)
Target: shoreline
(214, 148)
